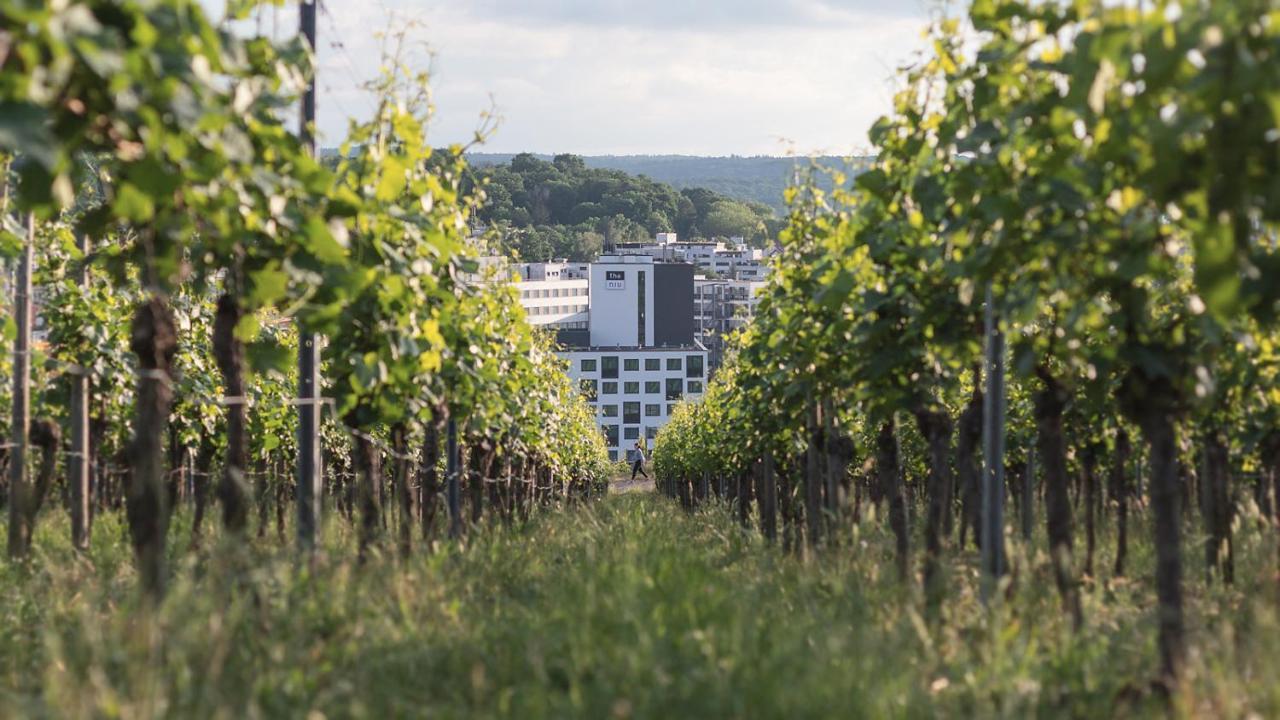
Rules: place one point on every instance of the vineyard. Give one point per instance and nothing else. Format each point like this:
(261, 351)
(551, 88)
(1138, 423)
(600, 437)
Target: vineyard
(1089, 193)
(188, 249)
(1003, 438)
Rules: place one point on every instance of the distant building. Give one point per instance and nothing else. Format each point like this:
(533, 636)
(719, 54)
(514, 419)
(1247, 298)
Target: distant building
(638, 355)
(555, 294)
(734, 260)
(720, 308)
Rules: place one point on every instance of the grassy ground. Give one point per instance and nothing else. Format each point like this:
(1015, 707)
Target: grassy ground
(628, 609)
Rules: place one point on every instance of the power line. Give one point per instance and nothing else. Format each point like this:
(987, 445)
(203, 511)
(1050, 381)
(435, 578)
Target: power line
(336, 44)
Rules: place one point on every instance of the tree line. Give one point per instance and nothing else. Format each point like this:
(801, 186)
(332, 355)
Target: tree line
(542, 210)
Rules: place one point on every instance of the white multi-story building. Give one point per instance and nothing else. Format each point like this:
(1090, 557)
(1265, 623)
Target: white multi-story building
(635, 389)
(628, 329)
(555, 294)
(637, 357)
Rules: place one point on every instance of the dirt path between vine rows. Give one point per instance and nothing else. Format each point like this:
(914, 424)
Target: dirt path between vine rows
(626, 485)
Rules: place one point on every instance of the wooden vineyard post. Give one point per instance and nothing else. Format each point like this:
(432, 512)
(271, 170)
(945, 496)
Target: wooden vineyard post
(451, 481)
(993, 446)
(769, 500)
(1028, 494)
(19, 528)
(813, 479)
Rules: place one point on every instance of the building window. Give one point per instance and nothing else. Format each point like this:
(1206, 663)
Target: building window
(653, 410)
(588, 388)
(609, 367)
(650, 432)
(609, 388)
(652, 364)
(588, 365)
(652, 387)
(672, 364)
(631, 388)
(670, 409)
(631, 364)
(675, 388)
(693, 368)
(695, 387)
(609, 410)
(613, 456)
(611, 435)
(631, 433)
(631, 413)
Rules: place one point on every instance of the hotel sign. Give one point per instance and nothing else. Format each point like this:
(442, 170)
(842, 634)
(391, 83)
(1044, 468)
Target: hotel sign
(615, 280)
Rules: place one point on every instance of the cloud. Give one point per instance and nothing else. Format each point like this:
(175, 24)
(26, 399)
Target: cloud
(697, 14)
(622, 77)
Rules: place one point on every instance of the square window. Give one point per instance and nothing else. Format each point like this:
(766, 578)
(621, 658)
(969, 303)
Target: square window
(650, 432)
(588, 388)
(673, 363)
(631, 388)
(613, 456)
(652, 387)
(609, 367)
(695, 387)
(631, 413)
(631, 364)
(609, 410)
(631, 433)
(609, 388)
(670, 409)
(611, 435)
(652, 364)
(588, 365)
(652, 410)
(675, 388)
(693, 368)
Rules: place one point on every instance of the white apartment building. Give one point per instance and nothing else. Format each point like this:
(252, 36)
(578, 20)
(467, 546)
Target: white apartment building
(627, 327)
(554, 294)
(635, 389)
(637, 357)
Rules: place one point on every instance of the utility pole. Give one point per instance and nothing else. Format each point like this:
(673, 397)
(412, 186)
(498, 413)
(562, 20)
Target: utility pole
(19, 528)
(993, 447)
(309, 461)
(78, 462)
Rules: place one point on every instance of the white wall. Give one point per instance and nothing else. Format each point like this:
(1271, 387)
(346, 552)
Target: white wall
(615, 302)
(639, 376)
(562, 303)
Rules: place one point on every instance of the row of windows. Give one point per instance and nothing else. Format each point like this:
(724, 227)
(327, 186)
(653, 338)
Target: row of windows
(611, 434)
(675, 388)
(553, 293)
(631, 411)
(609, 365)
(556, 309)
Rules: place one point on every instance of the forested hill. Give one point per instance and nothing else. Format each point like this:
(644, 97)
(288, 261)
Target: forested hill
(562, 208)
(759, 179)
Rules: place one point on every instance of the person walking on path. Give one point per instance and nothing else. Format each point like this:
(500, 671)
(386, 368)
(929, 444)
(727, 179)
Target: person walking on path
(638, 465)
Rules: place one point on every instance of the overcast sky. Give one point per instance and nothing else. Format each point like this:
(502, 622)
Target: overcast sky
(699, 77)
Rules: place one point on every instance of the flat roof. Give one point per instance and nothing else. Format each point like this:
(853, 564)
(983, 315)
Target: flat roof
(636, 349)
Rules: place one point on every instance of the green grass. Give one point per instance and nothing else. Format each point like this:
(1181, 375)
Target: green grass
(629, 608)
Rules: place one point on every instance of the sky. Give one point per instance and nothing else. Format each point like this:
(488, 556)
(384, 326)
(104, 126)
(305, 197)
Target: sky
(623, 77)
